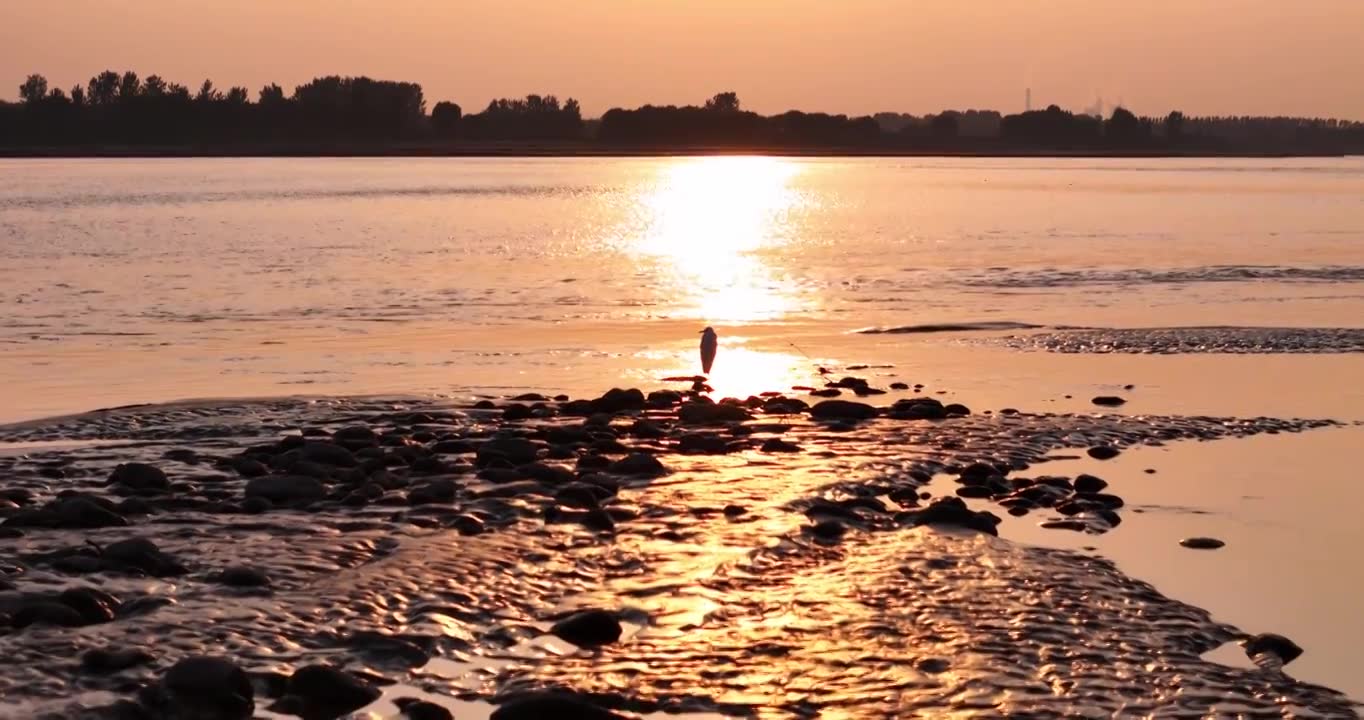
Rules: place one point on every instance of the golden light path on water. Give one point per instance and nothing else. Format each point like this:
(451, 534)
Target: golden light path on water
(713, 223)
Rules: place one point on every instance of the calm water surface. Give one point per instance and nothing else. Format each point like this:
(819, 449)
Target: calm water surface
(150, 280)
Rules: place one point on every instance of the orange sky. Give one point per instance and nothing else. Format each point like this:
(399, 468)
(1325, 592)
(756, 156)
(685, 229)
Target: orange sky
(1300, 57)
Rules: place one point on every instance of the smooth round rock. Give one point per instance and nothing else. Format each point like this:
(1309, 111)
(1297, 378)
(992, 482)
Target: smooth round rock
(588, 628)
(1202, 543)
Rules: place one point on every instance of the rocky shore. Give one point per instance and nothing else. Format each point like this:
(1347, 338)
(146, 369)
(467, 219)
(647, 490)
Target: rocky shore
(778, 556)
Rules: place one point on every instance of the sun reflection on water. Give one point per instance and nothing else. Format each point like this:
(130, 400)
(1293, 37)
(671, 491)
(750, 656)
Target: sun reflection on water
(705, 223)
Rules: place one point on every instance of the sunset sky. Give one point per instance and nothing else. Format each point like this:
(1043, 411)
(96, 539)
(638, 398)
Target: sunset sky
(850, 56)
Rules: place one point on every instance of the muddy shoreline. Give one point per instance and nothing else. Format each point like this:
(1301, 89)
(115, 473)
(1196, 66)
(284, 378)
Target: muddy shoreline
(779, 556)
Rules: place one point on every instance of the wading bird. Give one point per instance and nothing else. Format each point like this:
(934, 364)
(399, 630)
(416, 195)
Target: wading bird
(709, 343)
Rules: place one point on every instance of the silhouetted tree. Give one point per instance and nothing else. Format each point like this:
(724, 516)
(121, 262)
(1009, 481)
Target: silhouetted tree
(945, 125)
(129, 86)
(208, 93)
(272, 95)
(1174, 127)
(103, 88)
(154, 86)
(445, 117)
(724, 102)
(34, 89)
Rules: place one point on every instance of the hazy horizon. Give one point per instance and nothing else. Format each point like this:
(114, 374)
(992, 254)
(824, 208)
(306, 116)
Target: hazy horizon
(1218, 57)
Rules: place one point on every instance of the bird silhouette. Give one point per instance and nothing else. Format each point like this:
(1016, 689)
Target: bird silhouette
(710, 342)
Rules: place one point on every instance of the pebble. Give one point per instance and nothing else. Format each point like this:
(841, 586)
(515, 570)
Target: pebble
(139, 476)
(242, 576)
(639, 465)
(328, 691)
(1269, 643)
(285, 489)
(1103, 452)
(208, 687)
(843, 410)
(414, 709)
(1089, 484)
(588, 628)
(549, 706)
(1109, 401)
(1202, 543)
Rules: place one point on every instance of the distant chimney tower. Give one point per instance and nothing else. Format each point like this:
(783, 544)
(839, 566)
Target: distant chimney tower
(1027, 100)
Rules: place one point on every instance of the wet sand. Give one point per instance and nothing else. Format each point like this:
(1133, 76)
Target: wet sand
(776, 578)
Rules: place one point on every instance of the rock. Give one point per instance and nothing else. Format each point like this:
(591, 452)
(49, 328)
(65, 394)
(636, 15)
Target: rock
(953, 511)
(588, 628)
(243, 576)
(917, 409)
(143, 554)
(956, 410)
(899, 386)
(414, 709)
(1076, 525)
(549, 705)
(325, 688)
(139, 476)
(285, 489)
(1202, 543)
(826, 393)
(247, 467)
(47, 612)
(932, 666)
(663, 399)
(1104, 452)
(466, 524)
(517, 412)
(514, 450)
(647, 429)
(1089, 484)
(778, 445)
(1109, 401)
(325, 453)
(95, 606)
(103, 661)
(704, 413)
(452, 447)
(208, 687)
(639, 465)
(828, 530)
(734, 511)
(74, 512)
(355, 437)
(706, 443)
(439, 490)
(1270, 644)
(843, 410)
(616, 400)
(975, 491)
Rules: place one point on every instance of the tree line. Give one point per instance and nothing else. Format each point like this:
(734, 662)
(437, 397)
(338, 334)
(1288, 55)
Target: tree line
(115, 108)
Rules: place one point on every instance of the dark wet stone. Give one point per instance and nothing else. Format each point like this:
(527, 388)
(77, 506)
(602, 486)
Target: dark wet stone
(517, 451)
(103, 661)
(549, 706)
(1271, 644)
(1109, 401)
(1072, 524)
(144, 555)
(517, 412)
(734, 511)
(932, 666)
(866, 391)
(899, 386)
(639, 465)
(243, 576)
(953, 511)
(975, 491)
(208, 687)
(247, 467)
(1103, 452)
(647, 429)
(47, 612)
(324, 453)
(355, 437)
(581, 495)
(80, 512)
(778, 445)
(452, 447)
(531, 398)
(826, 393)
(917, 409)
(843, 410)
(325, 690)
(95, 606)
(139, 476)
(617, 400)
(663, 399)
(134, 506)
(705, 413)
(1112, 502)
(588, 628)
(414, 709)
(1202, 543)
(439, 490)
(598, 520)
(1089, 484)
(956, 410)
(466, 524)
(828, 530)
(286, 489)
(703, 443)
(256, 505)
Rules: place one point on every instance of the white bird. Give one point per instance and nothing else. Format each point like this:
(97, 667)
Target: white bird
(709, 344)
